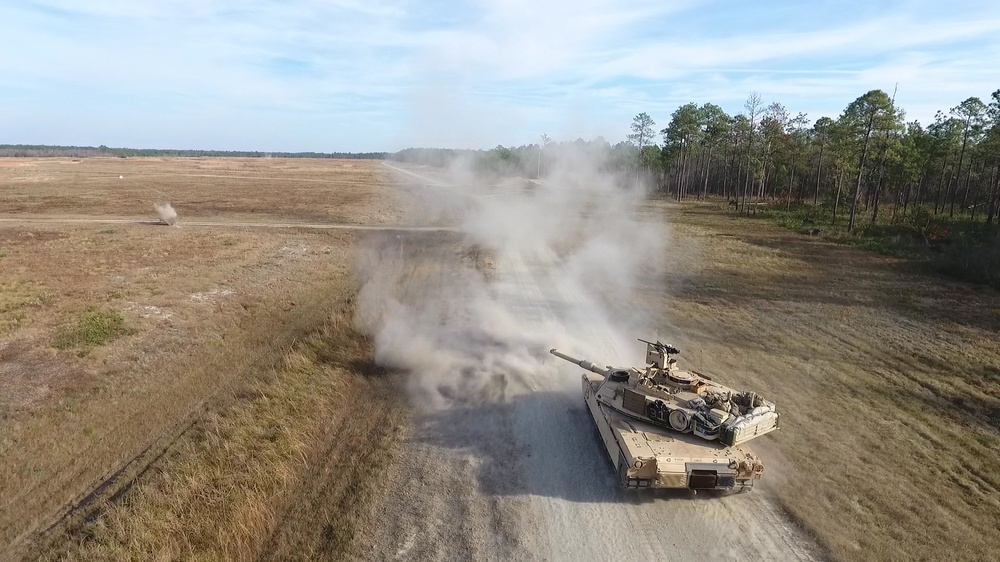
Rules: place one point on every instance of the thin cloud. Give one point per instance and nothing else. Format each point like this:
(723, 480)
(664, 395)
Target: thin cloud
(368, 75)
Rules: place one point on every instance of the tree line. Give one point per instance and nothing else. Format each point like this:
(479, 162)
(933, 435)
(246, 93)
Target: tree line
(527, 160)
(867, 159)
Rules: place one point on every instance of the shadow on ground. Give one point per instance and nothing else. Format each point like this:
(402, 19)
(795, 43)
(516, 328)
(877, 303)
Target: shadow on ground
(541, 444)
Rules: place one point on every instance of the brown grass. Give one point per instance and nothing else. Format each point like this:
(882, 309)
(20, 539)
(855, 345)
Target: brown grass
(280, 467)
(17, 298)
(888, 380)
(233, 188)
(227, 425)
(213, 312)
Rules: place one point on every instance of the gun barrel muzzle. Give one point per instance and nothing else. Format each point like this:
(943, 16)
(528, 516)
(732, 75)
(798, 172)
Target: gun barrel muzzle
(592, 367)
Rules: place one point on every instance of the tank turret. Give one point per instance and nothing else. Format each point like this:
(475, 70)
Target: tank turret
(682, 401)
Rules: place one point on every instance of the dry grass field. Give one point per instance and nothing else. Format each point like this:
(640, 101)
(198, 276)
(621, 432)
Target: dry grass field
(201, 392)
(236, 189)
(183, 383)
(888, 380)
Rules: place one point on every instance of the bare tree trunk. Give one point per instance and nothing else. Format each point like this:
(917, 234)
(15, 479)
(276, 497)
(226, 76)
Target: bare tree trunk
(958, 174)
(920, 190)
(746, 189)
(941, 186)
(968, 189)
(819, 175)
(878, 191)
(680, 173)
(836, 202)
(729, 173)
(995, 189)
(902, 196)
(791, 186)
(682, 189)
(965, 195)
(708, 163)
(861, 171)
(749, 170)
(736, 186)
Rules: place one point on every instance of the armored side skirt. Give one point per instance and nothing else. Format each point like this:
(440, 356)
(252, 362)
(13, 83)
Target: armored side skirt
(646, 456)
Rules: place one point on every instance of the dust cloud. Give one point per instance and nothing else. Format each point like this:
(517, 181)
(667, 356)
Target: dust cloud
(166, 213)
(535, 264)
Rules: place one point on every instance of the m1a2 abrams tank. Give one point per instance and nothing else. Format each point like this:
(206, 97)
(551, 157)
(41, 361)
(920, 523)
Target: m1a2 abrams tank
(667, 428)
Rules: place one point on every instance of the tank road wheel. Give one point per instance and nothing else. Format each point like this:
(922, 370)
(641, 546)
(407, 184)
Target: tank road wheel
(678, 420)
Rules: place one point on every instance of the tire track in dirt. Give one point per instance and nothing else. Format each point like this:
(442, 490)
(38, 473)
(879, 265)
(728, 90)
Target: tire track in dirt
(88, 499)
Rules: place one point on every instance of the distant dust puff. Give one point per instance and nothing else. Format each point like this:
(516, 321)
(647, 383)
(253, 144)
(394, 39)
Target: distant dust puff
(166, 213)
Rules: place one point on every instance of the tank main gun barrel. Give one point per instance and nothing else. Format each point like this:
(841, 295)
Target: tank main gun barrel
(581, 362)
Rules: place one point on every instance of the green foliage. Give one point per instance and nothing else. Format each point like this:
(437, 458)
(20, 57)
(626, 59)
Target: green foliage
(642, 130)
(872, 111)
(17, 298)
(685, 127)
(978, 262)
(21, 294)
(651, 157)
(528, 160)
(958, 247)
(868, 162)
(94, 329)
(798, 217)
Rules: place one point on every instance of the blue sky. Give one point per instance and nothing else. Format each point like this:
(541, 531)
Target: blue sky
(360, 75)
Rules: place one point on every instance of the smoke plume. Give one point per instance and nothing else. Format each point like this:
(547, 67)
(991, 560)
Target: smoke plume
(533, 265)
(166, 213)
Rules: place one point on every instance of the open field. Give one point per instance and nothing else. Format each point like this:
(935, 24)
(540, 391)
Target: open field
(200, 188)
(204, 391)
(213, 354)
(888, 380)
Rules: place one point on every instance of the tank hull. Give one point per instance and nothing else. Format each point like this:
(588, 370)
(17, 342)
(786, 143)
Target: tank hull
(647, 456)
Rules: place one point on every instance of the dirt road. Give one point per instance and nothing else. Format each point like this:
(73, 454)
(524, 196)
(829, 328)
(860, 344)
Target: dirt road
(521, 475)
